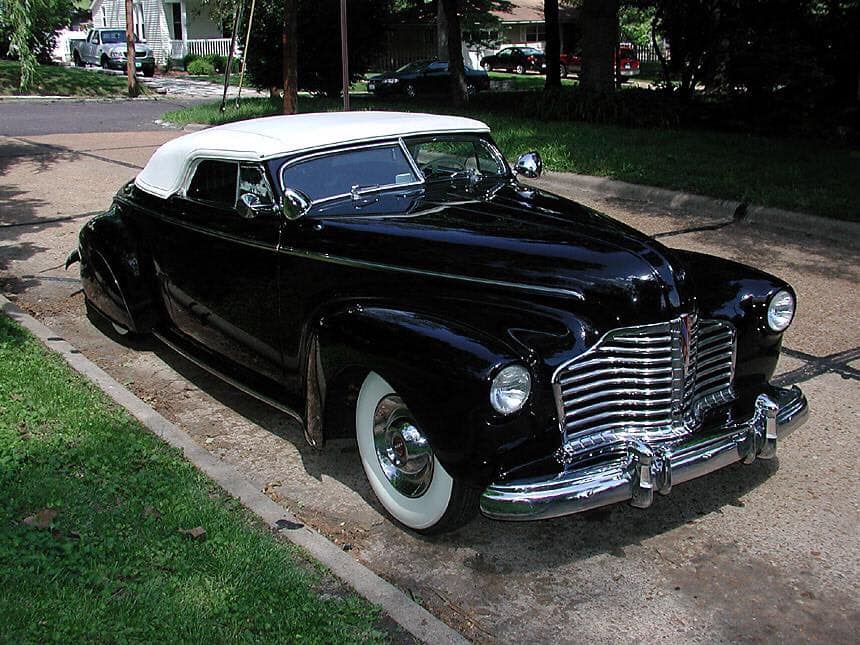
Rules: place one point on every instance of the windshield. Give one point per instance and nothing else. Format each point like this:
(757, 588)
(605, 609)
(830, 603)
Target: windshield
(114, 36)
(447, 156)
(341, 173)
(413, 67)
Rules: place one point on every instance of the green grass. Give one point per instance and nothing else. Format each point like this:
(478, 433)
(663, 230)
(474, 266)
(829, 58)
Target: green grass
(530, 81)
(802, 175)
(113, 566)
(53, 80)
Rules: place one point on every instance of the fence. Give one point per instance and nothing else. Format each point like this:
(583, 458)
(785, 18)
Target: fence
(648, 53)
(200, 46)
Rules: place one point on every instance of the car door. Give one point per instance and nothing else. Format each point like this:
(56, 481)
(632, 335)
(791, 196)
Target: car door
(89, 53)
(436, 78)
(503, 60)
(218, 265)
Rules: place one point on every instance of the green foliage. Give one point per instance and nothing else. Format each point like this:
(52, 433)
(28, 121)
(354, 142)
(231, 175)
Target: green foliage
(28, 32)
(200, 67)
(801, 174)
(105, 559)
(319, 67)
(634, 24)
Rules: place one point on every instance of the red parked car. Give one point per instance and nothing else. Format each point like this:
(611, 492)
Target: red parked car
(629, 63)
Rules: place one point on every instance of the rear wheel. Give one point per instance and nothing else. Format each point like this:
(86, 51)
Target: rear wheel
(400, 465)
(77, 59)
(562, 70)
(487, 67)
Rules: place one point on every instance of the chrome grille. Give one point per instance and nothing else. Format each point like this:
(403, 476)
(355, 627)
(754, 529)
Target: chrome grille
(653, 382)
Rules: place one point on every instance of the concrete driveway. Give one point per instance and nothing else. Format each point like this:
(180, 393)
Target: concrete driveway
(766, 552)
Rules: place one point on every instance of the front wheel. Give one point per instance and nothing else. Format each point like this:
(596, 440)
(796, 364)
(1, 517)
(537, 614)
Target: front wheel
(400, 465)
(521, 69)
(105, 62)
(409, 90)
(562, 71)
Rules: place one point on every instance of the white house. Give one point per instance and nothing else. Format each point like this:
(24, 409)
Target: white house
(172, 29)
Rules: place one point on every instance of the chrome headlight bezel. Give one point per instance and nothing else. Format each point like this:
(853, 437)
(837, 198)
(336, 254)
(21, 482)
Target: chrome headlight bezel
(510, 389)
(780, 310)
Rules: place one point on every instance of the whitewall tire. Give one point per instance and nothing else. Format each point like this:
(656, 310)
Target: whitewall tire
(403, 472)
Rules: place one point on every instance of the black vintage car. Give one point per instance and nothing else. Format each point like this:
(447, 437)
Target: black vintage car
(489, 345)
(424, 77)
(516, 59)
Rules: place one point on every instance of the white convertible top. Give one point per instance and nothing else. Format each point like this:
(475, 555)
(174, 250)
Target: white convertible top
(275, 136)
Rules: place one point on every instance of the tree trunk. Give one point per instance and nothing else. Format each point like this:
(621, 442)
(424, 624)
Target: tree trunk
(133, 90)
(441, 31)
(599, 39)
(553, 46)
(456, 69)
(664, 64)
(290, 57)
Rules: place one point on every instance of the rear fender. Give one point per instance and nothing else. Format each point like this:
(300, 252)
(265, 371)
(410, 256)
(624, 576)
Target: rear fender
(117, 276)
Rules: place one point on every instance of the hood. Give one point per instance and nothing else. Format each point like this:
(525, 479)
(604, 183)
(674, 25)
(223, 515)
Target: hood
(520, 240)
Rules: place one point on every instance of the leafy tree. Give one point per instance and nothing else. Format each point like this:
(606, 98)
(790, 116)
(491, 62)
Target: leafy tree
(318, 42)
(634, 23)
(28, 32)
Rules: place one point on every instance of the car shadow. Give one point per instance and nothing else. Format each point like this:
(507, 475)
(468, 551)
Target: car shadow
(562, 540)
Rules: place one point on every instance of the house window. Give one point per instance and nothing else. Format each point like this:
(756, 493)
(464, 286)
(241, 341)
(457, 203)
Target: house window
(535, 33)
(174, 17)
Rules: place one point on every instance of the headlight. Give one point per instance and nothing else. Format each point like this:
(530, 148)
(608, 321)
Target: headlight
(510, 389)
(780, 311)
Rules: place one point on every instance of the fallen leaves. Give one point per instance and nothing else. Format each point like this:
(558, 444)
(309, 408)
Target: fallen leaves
(44, 519)
(197, 533)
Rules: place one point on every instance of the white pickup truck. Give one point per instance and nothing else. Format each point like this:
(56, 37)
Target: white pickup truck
(106, 47)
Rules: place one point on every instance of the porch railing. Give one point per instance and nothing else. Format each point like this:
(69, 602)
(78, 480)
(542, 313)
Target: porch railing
(200, 46)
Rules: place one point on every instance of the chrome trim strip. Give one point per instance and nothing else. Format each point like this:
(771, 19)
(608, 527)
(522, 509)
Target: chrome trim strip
(229, 380)
(634, 469)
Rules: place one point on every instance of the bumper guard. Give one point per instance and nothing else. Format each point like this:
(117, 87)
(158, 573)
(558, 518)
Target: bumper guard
(645, 468)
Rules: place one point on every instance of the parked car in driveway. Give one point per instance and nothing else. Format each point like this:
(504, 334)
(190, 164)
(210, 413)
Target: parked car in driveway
(516, 59)
(386, 276)
(423, 78)
(627, 60)
(107, 48)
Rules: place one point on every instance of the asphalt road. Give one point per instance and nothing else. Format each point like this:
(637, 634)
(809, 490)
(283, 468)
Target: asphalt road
(760, 553)
(29, 117)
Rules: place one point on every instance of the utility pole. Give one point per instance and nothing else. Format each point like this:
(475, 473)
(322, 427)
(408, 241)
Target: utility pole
(344, 56)
(130, 52)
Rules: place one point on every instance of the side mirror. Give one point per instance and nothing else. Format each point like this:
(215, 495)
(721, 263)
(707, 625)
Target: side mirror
(529, 165)
(295, 204)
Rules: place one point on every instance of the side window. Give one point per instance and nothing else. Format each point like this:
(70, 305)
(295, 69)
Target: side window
(505, 52)
(252, 181)
(214, 182)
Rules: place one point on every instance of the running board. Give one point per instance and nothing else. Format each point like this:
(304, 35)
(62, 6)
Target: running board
(229, 380)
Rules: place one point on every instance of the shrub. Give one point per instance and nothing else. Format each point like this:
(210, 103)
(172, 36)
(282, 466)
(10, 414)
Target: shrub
(188, 59)
(200, 67)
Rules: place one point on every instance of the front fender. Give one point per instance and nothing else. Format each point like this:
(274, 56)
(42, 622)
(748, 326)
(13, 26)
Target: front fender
(740, 294)
(443, 371)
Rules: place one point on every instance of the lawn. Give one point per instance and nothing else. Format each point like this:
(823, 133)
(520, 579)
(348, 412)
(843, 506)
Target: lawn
(54, 80)
(802, 175)
(92, 513)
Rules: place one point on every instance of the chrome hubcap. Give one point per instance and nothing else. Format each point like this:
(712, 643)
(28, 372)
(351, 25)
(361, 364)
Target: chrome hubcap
(403, 452)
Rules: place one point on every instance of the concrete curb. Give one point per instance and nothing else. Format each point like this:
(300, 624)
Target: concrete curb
(413, 618)
(791, 221)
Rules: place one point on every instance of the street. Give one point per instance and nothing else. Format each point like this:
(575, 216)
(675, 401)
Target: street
(764, 552)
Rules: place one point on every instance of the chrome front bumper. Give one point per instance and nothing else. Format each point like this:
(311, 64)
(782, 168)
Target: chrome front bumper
(644, 468)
